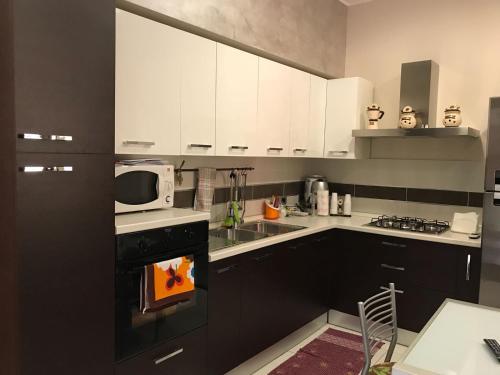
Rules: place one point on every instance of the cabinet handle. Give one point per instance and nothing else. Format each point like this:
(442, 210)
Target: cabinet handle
(320, 239)
(37, 169)
(393, 244)
(226, 269)
(168, 356)
(238, 147)
(399, 291)
(299, 149)
(200, 145)
(275, 149)
(262, 257)
(338, 152)
(39, 137)
(467, 271)
(139, 143)
(388, 266)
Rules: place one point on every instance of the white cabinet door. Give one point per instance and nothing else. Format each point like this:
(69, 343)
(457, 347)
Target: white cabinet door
(300, 113)
(147, 87)
(273, 111)
(317, 113)
(347, 99)
(198, 73)
(236, 112)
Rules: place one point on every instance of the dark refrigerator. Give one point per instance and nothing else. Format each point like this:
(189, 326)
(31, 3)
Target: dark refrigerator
(489, 293)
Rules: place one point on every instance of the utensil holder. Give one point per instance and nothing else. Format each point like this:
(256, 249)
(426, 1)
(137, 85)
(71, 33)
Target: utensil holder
(270, 212)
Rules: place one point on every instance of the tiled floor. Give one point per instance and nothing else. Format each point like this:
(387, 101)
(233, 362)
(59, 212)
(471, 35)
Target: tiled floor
(398, 351)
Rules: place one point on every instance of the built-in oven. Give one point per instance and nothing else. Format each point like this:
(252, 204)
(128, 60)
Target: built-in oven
(139, 326)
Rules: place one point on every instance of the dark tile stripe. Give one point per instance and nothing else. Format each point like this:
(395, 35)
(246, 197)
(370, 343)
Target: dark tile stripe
(266, 191)
(294, 188)
(184, 198)
(456, 198)
(476, 199)
(341, 189)
(380, 192)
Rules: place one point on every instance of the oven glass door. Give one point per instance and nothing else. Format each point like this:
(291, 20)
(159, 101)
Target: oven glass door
(137, 330)
(136, 187)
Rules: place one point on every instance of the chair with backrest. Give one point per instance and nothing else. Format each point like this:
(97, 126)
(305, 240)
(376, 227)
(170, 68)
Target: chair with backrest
(378, 325)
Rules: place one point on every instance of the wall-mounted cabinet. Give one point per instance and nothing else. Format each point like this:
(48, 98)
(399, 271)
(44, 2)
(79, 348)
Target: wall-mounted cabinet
(147, 119)
(236, 112)
(273, 111)
(347, 99)
(316, 125)
(198, 74)
(299, 113)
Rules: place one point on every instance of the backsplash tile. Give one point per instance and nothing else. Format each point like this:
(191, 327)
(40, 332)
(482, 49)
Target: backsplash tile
(380, 192)
(341, 189)
(184, 198)
(476, 199)
(294, 188)
(449, 197)
(266, 191)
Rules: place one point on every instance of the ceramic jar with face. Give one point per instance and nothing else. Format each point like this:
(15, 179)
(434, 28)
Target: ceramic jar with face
(374, 114)
(407, 119)
(452, 116)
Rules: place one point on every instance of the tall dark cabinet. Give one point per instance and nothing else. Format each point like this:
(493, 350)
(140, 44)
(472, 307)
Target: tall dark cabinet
(56, 190)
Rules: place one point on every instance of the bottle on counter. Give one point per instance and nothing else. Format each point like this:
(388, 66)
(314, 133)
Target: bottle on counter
(347, 205)
(334, 204)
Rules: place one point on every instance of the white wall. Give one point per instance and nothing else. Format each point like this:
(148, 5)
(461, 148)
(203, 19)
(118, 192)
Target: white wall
(463, 37)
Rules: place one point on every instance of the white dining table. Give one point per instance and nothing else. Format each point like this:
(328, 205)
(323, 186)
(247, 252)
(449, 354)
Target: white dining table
(452, 343)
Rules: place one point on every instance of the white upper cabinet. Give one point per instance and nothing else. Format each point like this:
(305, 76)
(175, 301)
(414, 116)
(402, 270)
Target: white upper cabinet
(317, 112)
(299, 113)
(147, 87)
(273, 111)
(308, 115)
(236, 112)
(198, 73)
(347, 99)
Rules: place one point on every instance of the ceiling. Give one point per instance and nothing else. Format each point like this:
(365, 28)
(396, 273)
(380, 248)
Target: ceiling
(354, 2)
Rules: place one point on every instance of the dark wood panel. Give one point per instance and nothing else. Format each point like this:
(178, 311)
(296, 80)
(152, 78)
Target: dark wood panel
(191, 357)
(8, 259)
(65, 232)
(224, 315)
(64, 54)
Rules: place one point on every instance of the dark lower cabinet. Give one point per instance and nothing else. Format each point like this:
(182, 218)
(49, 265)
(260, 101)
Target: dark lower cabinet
(425, 274)
(65, 253)
(260, 297)
(186, 355)
(224, 315)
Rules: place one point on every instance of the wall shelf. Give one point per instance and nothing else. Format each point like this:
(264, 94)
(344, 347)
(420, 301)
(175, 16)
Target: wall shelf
(461, 131)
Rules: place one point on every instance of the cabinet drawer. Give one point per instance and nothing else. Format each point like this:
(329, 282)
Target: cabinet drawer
(185, 355)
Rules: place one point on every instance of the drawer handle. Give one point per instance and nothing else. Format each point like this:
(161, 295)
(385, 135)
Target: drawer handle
(393, 244)
(320, 239)
(139, 143)
(168, 356)
(38, 169)
(226, 269)
(399, 291)
(388, 266)
(38, 137)
(200, 145)
(467, 272)
(299, 149)
(262, 257)
(275, 149)
(238, 147)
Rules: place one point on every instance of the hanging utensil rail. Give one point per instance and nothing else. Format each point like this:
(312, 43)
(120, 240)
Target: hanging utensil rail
(218, 169)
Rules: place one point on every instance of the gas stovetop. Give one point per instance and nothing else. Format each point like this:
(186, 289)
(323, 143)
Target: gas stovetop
(410, 224)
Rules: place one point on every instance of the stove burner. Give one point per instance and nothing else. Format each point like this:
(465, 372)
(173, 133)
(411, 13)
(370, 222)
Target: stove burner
(412, 224)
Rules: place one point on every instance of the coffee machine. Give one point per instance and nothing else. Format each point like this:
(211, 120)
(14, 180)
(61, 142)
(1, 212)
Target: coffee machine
(313, 183)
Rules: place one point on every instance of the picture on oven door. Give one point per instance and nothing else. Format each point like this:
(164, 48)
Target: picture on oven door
(167, 283)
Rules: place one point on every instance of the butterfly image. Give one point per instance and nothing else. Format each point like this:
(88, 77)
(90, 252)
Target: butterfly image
(173, 278)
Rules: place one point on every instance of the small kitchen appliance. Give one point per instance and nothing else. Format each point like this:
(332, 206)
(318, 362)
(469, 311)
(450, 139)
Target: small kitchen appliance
(410, 224)
(141, 186)
(312, 185)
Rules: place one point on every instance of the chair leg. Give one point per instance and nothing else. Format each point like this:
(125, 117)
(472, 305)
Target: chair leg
(366, 344)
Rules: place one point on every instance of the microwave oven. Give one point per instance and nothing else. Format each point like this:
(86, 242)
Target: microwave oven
(143, 187)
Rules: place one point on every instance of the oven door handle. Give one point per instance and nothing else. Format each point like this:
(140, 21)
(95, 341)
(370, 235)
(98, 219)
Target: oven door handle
(168, 356)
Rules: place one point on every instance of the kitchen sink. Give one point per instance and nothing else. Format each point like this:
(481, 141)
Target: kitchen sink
(269, 228)
(238, 235)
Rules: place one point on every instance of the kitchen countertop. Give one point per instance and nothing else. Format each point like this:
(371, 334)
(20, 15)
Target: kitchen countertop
(316, 224)
(139, 221)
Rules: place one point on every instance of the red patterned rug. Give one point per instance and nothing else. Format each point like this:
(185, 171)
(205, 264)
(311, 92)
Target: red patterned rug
(334, 352)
